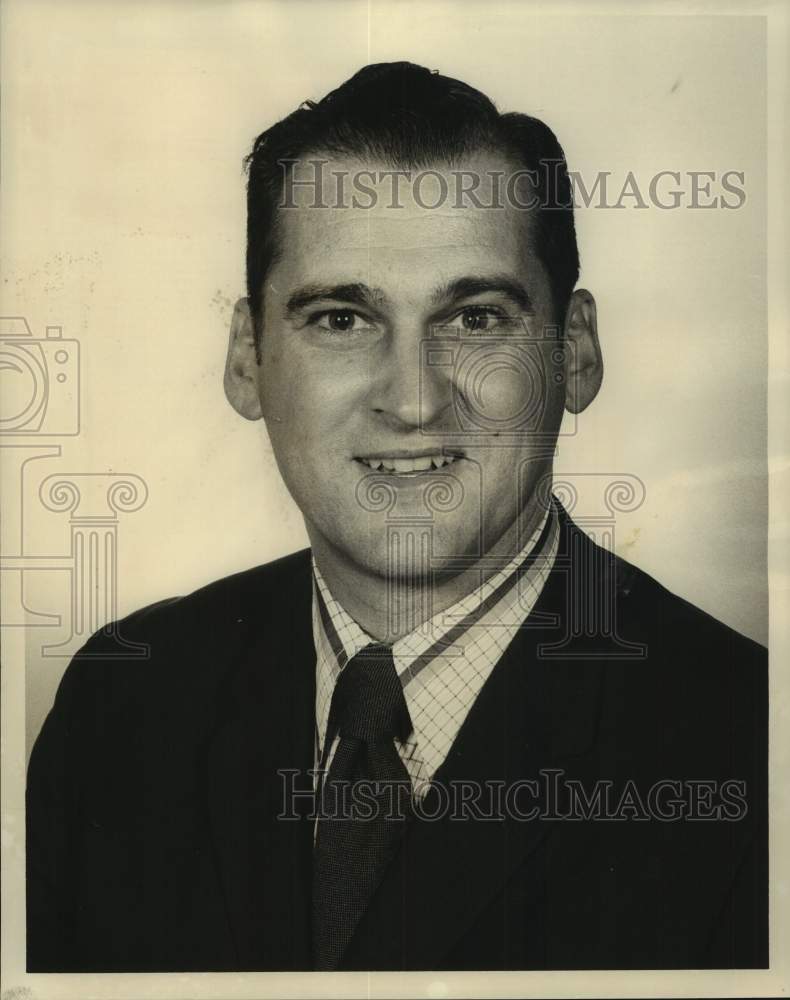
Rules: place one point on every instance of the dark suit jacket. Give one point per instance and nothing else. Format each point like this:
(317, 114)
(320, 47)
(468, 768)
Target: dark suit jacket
(153, 792)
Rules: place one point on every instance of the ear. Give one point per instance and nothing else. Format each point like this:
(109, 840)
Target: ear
(584, 363)
(241, 367)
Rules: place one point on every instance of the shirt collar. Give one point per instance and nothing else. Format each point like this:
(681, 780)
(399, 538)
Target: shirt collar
(444, 662)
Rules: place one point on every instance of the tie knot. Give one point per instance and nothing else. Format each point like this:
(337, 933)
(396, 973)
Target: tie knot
(368, 703)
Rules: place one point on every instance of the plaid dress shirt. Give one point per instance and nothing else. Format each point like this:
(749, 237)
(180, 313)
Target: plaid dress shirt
(444, 662)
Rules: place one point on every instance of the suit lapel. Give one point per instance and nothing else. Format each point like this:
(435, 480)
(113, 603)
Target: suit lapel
(266, 728)
(532, 714)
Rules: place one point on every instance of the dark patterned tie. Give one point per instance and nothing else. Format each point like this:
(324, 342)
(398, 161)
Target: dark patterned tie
(364, 798)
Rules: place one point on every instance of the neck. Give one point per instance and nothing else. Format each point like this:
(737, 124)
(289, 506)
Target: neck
(367, 595)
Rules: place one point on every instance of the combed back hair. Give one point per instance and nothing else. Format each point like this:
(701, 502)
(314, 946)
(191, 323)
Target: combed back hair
(410, 117)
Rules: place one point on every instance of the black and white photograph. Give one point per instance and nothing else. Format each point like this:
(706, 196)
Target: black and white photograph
(394, 443)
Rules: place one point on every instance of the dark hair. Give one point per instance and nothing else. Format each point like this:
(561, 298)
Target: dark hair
(410, 117)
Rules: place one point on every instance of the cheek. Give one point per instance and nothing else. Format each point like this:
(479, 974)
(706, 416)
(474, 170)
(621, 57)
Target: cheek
(304, 418)
(286, 387)
(514, 395)
(505, 391)
(318, 392)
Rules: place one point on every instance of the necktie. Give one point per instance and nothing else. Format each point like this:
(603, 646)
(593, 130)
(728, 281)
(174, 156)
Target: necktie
(363, 799)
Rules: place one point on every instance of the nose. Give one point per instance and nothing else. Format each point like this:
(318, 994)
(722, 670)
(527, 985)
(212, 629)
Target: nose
(412, 389)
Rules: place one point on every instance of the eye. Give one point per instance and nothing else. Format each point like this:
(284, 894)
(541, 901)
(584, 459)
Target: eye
(341, 321)
(475, 318)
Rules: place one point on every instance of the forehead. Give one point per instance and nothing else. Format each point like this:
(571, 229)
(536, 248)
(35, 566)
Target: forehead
(367, 223)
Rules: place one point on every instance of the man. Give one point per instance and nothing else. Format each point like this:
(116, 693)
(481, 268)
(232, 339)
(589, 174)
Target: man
(552, 761)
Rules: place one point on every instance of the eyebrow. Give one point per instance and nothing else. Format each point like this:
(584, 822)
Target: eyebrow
(358, 294)
(355, 293)
(464, 288)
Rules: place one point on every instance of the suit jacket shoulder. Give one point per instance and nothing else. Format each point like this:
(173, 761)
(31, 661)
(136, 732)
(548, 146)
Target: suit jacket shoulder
(116, 790)
(189, 641)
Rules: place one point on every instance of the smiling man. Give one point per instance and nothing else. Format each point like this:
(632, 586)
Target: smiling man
(454, 733)
(404, 347)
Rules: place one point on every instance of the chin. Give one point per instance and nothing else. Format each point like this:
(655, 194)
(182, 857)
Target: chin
(413, 552)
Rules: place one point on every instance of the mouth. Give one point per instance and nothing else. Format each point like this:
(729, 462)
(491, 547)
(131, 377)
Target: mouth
(410, 463)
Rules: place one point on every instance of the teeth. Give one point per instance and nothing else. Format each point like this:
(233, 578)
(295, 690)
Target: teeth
(399, 465)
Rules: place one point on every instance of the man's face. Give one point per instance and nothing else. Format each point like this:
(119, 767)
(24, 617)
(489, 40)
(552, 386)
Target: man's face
(410, 372)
